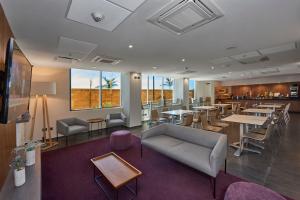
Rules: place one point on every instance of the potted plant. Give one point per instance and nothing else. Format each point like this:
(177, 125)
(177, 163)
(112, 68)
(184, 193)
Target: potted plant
(30, 152)
(18, 165)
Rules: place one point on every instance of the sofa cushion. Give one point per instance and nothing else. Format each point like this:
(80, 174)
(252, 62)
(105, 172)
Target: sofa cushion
(162, 143)
(76, 129)
(115, 122)
(193, 155)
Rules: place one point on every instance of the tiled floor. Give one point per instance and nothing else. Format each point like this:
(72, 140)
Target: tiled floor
(278, 167)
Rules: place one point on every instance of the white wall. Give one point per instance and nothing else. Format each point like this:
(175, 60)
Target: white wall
(205, 89)
(59, 105)
(271, 79)
(131, 98)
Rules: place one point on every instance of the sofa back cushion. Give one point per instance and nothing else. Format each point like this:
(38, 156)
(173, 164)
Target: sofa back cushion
(115, 116)
(193, 135)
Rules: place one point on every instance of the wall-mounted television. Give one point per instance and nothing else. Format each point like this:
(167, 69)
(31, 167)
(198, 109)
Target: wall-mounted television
(15, 84)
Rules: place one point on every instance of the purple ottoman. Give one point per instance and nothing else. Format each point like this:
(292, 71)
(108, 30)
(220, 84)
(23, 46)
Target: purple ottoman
(120, 140)
(250, 191)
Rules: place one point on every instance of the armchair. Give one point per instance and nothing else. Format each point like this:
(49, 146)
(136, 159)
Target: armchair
(71, 126)
(115, 119)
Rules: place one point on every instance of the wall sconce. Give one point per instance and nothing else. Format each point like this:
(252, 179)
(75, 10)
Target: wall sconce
(137, 76)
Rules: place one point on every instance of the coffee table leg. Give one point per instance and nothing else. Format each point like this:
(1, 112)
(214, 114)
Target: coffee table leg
(116, 194)
(136, 186)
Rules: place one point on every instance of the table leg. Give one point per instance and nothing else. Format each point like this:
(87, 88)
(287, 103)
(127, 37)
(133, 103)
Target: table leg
(116, 194)
(136, 186)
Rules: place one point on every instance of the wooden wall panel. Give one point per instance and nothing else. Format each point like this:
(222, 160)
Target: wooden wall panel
(7, 132)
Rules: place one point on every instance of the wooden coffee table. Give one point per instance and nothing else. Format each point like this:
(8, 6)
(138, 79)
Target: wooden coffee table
(117, 172)
(95, 121)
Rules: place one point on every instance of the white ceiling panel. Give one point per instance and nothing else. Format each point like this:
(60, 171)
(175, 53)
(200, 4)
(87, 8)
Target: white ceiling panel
(130, 5)
(81, 11)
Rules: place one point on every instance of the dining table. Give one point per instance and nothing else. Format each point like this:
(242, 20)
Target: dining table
(270, 106)
(244, 121)
(180, 113)
(222, 106)
(259, 111)
(205, 108)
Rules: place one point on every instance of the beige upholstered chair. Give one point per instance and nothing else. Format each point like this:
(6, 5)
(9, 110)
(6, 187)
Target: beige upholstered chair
(155, 119)
(196, 120)
(214, 119)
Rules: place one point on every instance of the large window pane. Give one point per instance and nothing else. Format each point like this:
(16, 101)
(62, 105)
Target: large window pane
(144, 92)
(168, 87)
(85, 90)
(191, 88)
(111, 89)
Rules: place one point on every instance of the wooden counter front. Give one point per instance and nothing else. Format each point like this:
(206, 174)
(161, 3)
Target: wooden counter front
(295, 103)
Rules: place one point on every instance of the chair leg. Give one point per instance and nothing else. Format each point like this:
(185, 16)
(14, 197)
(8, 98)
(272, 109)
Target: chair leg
(214, 187)
(57, 136)
(67, 137)
(225, 168)
(141, 151)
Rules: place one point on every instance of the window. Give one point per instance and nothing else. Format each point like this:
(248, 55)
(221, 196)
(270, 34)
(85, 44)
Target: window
(111, 96)
(156, 88)
(168, 87)
(88, 92)
(191, 88)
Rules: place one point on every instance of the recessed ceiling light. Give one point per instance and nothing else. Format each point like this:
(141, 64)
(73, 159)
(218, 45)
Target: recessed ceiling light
(94, 67)
(212, 67)
(154, 67)
(242, 74)
(229, 72)
(183, 60)
(130, 46)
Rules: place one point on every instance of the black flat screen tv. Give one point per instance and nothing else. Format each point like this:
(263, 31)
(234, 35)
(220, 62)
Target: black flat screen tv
(15, 84)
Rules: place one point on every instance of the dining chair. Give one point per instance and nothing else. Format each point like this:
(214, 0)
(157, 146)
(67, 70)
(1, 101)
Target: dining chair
(166, 116)
(206, 126)
(245, 106)
(187, 120)
(183, 107)
(155, 119)
(214, 121)
(196, 120)
(257, 139)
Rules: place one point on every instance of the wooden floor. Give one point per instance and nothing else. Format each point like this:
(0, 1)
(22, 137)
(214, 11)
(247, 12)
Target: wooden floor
(278, 167)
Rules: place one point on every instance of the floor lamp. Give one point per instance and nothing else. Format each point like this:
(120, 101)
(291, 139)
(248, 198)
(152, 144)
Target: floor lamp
(42, 89)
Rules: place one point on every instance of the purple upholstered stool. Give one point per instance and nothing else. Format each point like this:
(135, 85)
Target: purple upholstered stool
(250, 191)
(120, 140)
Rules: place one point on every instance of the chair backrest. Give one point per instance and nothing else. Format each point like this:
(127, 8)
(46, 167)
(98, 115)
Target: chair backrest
(187, 120)
(183, 107)
(204, 121)
(115, 116)
(246, 105)
(196, 117)
(225, 110)
(234, 107)
(269, 131)
(213, 114)
(154, 115)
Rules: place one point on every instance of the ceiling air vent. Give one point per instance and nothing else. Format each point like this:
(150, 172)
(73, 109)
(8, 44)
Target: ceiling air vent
(185, 15)
(66, 59)
(100, 59)
(270, 71)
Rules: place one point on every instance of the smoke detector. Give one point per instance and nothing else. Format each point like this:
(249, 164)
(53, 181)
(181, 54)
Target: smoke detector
(97, 16)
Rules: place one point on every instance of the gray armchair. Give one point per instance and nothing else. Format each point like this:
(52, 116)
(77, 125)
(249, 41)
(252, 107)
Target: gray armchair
(71, 126)
(115, 119)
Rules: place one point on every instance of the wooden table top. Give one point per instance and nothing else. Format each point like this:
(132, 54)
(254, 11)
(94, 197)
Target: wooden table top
(258, 110)
(269, 106)
(246, 119)
(115, 169)
(222, 104)
(95, 120)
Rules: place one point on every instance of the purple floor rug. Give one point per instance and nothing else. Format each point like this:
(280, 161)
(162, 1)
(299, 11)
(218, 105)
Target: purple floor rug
(67, 174)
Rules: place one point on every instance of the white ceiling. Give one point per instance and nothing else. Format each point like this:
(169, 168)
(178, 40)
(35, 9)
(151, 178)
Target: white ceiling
(247, 25)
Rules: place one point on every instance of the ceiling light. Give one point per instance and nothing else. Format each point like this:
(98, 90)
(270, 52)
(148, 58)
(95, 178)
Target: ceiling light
(94, 67)
(183, 60)
(242, 74)
(229, 72)
(98, 17)
(130, 46)
(212, 67)
(154, 67)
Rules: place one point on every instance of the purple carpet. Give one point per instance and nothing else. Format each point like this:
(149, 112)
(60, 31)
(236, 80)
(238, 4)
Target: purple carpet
(67, 174)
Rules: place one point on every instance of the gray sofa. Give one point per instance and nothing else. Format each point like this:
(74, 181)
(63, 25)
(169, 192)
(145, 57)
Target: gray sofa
(71, 126)
(202, 150)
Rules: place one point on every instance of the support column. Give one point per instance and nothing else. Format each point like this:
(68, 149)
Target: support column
(181, 90)
(131, 98)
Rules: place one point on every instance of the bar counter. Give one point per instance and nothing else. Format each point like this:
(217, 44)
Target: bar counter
(295, 102)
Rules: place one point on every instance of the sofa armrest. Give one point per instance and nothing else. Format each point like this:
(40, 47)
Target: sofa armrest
(124, 118)
(218, 154)
(62, 127)
(155, 131)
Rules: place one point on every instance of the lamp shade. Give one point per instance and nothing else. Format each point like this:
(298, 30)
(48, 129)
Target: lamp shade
(43, 88)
